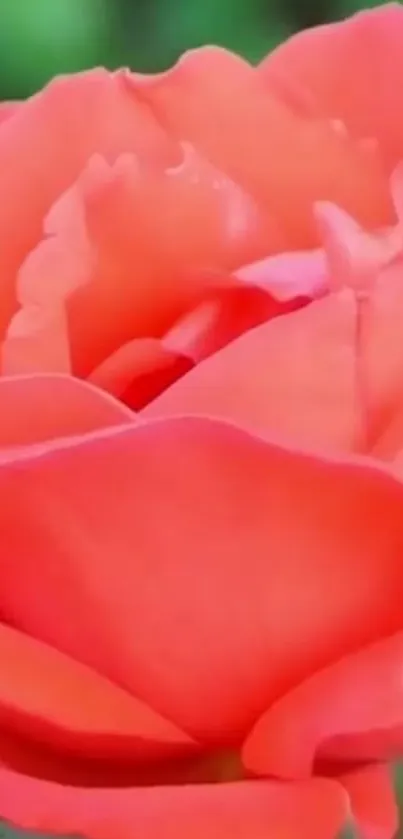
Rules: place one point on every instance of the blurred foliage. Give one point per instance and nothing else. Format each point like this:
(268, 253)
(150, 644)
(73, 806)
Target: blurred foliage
(39, 38)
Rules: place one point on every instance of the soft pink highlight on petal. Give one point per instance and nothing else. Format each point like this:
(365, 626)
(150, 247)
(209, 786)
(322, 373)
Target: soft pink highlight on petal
(354, 256)
(289, 275)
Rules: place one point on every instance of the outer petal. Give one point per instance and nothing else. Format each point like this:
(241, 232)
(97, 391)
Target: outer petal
(350, 71)
(221, 104)
(293, 377)
(181, 549)
(38, 408)
(48, 142)
(351, 711)
(373, 801)
(51, 700)
(249, 810)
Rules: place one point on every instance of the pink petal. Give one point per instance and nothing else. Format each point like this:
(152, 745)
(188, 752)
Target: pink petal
(140, 370)
(222, 317)
(182, 547)
(349, 712)
(349, 71)
(37, 341)
(48, 142)
(38, 408)
(293, 377)
(122, 270)
(8, 109)
(50, 700)
(355, 257)
(289, 275)
(220, 104)
(373, 801)
(249, 810)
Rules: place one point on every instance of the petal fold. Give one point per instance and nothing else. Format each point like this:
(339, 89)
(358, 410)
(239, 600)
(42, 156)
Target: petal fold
(349, 712)
(52, 702)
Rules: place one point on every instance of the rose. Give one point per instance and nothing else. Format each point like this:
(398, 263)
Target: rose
(210, 588)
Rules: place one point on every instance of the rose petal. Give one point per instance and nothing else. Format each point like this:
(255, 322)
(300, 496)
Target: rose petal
(293, 377)
(182, 547)
(382, 355)
(372, 266)
(219, 103)
(355, 257)
(252, 810)
(349, 71)
(49, 141)
(124, 270)
(37, 341)
(8, 109)
(50, 699)
(351, 711)
(38, 408)
(140, 370)
(289, 275)
(221, 318)
(389, 443)
(373, 801)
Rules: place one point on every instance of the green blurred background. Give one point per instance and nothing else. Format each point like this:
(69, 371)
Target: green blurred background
(39, 38)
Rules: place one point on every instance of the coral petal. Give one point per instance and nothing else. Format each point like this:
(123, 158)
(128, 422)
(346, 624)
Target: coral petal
(178, 568)
(220, 104)
(293, 377)
(289, 275)
(350, 71)
(49, 698)
(254, 810)
(8, 109)
(143, 368)
(351, 711)
(38, 408)
(373, 801)
(48, 142)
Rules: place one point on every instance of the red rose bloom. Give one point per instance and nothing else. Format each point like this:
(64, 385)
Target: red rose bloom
(201, 427)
